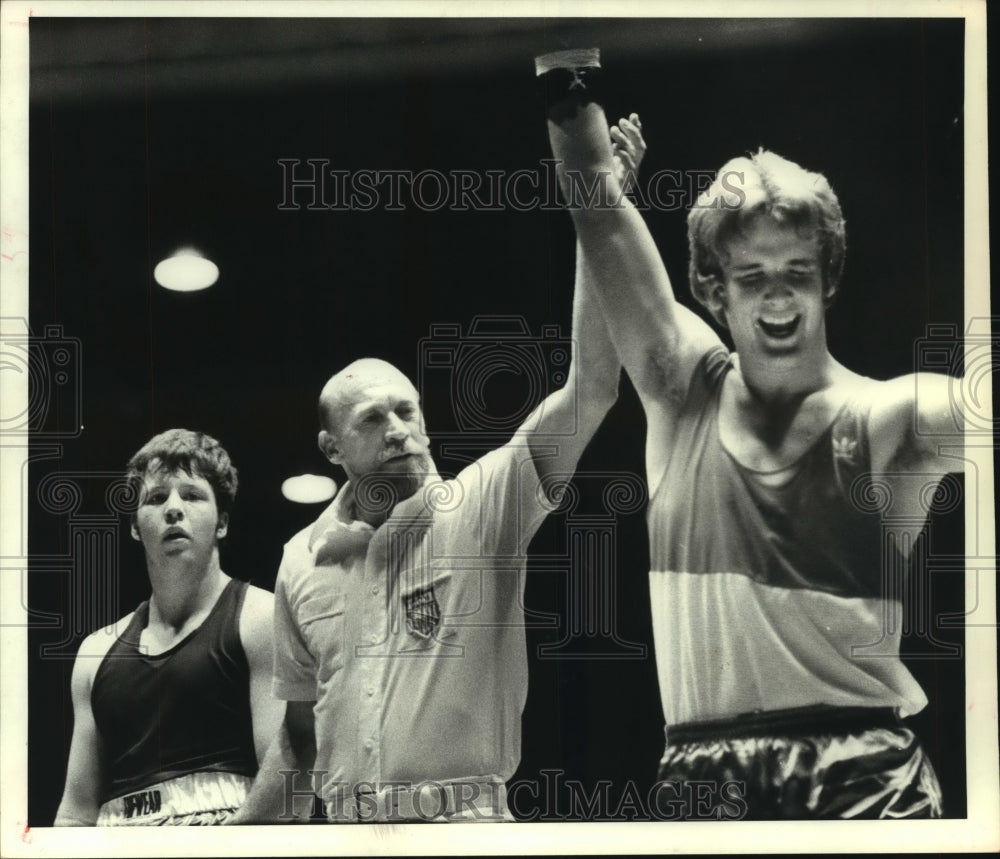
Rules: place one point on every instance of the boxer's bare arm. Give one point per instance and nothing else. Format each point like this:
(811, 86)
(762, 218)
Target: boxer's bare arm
(568, 419)
(916, 425)
(81, 797)
(659, 340)
(257, 637)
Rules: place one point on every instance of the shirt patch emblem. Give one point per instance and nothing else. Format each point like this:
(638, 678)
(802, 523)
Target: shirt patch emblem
(423, 614)
(845, 450)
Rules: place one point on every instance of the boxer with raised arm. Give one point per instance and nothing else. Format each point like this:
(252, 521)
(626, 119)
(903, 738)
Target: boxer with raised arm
(775, 619)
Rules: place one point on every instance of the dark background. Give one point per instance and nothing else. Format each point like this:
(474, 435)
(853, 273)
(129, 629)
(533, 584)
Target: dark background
(146, 135)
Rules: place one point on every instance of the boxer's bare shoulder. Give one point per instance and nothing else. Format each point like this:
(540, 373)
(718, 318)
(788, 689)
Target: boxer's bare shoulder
(95, 646)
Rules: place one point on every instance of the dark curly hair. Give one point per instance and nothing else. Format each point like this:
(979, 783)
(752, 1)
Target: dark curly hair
(195, 453)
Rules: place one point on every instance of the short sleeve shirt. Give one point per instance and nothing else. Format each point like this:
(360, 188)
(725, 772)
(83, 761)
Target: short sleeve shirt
(410, 639)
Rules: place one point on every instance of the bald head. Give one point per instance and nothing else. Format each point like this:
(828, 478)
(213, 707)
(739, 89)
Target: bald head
(346, 387)
(373, 427)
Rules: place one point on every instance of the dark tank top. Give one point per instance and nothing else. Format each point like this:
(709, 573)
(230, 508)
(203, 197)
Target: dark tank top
(182, 711)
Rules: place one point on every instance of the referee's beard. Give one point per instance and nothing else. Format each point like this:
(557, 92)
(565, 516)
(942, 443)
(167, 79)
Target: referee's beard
(399, 478)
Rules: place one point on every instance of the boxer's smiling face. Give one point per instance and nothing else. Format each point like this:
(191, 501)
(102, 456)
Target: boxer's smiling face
(773, 297)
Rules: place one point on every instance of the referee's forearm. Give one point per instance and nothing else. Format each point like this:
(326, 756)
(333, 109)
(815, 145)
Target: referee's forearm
(282, 792)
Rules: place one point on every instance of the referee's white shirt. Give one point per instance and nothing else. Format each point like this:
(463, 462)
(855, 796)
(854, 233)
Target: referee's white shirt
(415, 655)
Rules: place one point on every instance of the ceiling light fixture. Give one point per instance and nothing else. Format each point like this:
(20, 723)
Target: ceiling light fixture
(308, 488)
(186, 271)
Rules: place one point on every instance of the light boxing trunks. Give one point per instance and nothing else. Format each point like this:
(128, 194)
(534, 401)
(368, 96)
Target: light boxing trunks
(806, 763)
(196, 799)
